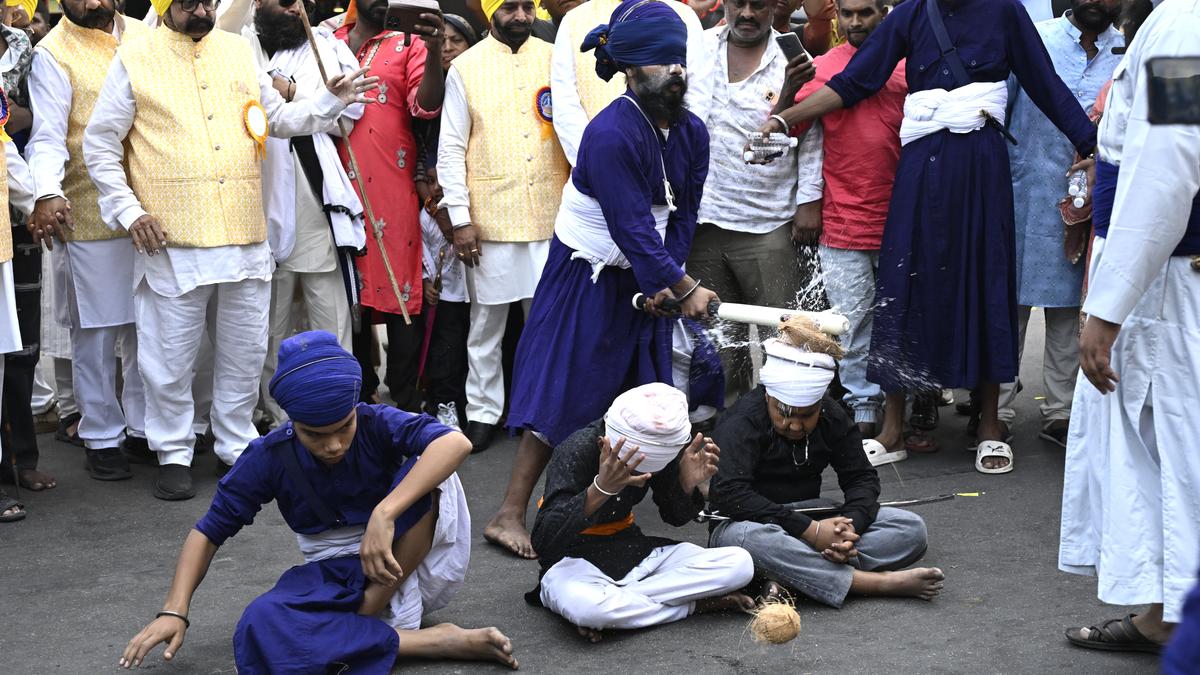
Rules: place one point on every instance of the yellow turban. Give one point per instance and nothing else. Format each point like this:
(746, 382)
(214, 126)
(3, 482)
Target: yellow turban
(490, 7)
(161, 6)
(30, 6)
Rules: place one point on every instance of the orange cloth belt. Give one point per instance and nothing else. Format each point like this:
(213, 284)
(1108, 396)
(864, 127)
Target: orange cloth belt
(604, 529)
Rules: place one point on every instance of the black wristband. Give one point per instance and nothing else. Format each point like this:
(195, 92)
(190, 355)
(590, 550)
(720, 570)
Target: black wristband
(177, 615)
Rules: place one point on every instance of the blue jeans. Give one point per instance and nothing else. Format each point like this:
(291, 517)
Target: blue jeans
(850, 286)
(895, 540)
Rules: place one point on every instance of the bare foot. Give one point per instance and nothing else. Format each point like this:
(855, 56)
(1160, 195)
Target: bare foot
(733, 602)
(32, 479)
(590, 634)
(510, 534)
(920, 582)
(469, 644)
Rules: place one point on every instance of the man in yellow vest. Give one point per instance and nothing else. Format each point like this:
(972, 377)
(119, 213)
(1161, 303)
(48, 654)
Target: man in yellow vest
(69, 66)
(502, 171)
(194, 111)
(16, 189)
(579, 95)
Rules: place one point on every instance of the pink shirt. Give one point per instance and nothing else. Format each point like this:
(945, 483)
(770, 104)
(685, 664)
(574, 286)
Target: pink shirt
(862, 148)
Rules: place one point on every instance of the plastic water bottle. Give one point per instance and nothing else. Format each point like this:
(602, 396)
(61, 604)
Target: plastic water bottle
(764, 147)
(1077, 188)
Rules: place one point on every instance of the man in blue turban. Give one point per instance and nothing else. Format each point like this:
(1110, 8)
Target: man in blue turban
(624, 227)
(386, 538)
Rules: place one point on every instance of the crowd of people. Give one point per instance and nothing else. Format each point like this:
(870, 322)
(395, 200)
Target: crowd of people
(326, 244)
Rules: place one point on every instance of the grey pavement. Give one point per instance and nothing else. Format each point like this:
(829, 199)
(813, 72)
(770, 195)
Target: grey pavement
(93, 561)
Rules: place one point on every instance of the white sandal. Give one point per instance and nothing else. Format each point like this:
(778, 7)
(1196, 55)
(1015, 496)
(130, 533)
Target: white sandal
(879, 455)
(993, 449)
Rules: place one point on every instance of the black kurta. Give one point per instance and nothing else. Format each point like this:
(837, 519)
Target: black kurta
(761, 471)
(557, 531)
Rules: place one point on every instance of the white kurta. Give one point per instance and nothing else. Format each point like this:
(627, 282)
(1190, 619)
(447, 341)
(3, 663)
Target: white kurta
(1130, 512)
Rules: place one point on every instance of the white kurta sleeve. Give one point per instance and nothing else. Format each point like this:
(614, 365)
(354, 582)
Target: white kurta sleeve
(1159, 179)
(50, 100)
(103, 151)
(452, 150)
(700, 63)
(301, 117)
(810, 165)
(20, 182)
(569, 117)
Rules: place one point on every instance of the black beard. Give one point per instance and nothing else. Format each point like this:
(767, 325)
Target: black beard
(198, 24)
(279, 32)
(513, 31)
(663, 103)
(96, 18)
(1094, 18)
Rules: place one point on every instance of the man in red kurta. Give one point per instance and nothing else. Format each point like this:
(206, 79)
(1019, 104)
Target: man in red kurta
(410, 87)
(862, 148)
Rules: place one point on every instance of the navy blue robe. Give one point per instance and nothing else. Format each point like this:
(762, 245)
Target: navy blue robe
(583, 342)
(308, 623)
(947, 267)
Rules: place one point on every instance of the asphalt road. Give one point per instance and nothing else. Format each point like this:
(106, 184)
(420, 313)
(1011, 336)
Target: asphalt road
(93, 561)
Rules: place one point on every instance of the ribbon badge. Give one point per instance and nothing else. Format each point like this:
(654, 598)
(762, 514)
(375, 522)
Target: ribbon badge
(544, 107)
(255, 118)
(4, 137)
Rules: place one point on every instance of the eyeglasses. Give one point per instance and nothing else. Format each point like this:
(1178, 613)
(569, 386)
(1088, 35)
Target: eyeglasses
(189, 6)
(308, 4)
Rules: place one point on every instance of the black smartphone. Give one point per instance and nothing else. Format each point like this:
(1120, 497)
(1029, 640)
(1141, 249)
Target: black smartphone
(790, 44)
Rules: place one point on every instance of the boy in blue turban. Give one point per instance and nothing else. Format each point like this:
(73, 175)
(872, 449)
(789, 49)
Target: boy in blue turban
(386, 538)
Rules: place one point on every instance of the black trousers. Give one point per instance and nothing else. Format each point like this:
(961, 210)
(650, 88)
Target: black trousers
(403, 355)
(446, 365)
(16, 421)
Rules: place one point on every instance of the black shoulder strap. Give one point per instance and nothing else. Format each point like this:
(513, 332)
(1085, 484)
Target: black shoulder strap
(287, 454)
(949, 51)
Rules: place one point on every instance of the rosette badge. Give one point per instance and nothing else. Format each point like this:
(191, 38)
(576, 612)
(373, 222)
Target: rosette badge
(255, 118)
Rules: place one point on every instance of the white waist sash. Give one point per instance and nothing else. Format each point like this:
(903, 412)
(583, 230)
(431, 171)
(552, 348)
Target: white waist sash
(959, 110)
(581, 225)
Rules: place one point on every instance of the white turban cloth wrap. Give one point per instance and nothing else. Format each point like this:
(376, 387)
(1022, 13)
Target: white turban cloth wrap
(795, 376)
(654, 418)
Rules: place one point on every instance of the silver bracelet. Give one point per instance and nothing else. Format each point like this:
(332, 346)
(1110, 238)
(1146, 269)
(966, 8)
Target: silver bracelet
(166, 612)
(782, 122)
(596, 484)
(817, 535)
(690, 290)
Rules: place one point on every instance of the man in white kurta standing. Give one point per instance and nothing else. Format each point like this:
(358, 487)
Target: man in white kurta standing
(1136, 526)
(69, 67)
(314, 217)
(195, 112)
(502, 171)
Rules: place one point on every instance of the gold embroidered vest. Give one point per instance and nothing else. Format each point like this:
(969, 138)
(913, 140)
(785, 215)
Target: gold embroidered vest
(85, 55)
(594, 93)
(6, 250)
(515, 167)
(191, 162)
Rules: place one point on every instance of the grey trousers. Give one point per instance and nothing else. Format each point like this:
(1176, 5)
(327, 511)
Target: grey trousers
(895, 540)
(758, 269)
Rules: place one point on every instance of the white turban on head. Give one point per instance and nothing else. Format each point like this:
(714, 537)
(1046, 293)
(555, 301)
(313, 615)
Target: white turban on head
(652, 417)
(795, 376)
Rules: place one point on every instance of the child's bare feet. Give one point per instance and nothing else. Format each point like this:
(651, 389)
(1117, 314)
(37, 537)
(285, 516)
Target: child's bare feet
(590, 634)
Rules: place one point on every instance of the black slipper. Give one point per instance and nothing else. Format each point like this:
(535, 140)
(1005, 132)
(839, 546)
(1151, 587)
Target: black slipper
(1114, 635)
(65, 423)
(137, 450)
(107, 464)
(7, 503)
(174, 483)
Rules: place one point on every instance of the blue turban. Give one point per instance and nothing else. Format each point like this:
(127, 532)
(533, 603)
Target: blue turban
(316, 382)
(639, 33)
